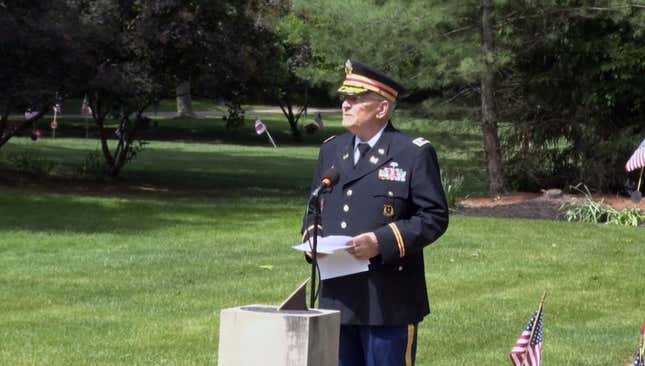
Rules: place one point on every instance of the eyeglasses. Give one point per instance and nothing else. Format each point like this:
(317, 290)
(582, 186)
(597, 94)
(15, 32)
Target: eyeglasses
(360, 98)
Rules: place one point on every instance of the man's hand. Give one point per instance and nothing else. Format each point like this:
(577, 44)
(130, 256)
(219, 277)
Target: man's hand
(364, 246)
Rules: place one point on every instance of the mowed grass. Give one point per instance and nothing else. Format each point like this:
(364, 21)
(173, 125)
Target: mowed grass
(137, 282)
(140, 279)
(226, 157)
(114, 281)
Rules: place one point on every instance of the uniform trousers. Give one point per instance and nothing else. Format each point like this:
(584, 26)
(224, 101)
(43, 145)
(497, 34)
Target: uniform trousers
(371, 345)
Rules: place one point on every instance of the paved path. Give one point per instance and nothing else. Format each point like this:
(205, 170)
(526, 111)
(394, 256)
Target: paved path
(202, 114)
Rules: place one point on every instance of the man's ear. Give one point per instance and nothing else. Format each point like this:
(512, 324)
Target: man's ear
(382, 109)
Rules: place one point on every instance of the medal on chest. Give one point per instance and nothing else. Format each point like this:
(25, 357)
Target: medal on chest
(392, 173)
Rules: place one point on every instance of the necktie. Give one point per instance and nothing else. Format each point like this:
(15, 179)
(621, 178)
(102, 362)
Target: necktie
(363, 148)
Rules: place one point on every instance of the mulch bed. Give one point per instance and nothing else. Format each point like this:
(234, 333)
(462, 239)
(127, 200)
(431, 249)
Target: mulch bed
(534, 205)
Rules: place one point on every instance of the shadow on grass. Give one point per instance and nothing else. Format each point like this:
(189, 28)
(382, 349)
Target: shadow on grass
(168, 167)
(47, 213)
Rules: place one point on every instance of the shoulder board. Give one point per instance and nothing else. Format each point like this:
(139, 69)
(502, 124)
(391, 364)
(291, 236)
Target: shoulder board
(420, 141)
(329, 139)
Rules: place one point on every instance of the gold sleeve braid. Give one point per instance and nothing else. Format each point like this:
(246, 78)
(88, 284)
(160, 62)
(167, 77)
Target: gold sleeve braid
(399, 239)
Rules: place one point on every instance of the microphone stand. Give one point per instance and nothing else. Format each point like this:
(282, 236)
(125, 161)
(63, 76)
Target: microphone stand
(329, 179)
(314, 254)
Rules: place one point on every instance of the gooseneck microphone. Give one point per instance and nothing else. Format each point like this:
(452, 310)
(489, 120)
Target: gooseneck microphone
(329, 178)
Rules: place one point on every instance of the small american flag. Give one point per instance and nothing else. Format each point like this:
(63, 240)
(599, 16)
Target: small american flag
(528, 350)
(638, 361)
(260, 128)
(637, 160)
(86, 110)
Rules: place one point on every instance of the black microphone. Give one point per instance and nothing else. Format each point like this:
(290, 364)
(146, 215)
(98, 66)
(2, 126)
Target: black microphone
(329, 178)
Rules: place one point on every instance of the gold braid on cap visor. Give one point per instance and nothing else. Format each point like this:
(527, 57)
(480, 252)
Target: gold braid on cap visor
(355, 83)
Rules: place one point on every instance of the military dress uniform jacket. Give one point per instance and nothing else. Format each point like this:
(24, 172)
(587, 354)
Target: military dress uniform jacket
(394, 191)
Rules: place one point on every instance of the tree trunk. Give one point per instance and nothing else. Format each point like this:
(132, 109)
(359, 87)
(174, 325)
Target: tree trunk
(5, 136)
(292, 118)
(489, 114)
(98, 115)
(184, 101)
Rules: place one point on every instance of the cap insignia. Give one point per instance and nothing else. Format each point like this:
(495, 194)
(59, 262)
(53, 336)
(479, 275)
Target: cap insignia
(348, 67)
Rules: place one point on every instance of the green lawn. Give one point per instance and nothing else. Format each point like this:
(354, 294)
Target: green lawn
(224, 158)
(137, 282)
(137, 275)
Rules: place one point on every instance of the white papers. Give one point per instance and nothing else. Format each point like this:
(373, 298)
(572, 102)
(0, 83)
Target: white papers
(341, 263)
(337, 261)
(326, 245)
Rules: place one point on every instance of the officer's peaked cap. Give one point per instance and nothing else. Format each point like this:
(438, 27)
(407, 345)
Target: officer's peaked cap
(361, 78)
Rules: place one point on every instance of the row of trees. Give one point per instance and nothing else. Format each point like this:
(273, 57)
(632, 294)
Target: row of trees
(124, 55)
(565, 78)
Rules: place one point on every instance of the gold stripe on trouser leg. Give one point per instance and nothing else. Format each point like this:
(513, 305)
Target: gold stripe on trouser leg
(408, 349)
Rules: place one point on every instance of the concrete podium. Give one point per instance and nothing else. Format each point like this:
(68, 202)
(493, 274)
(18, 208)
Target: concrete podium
(256, 335)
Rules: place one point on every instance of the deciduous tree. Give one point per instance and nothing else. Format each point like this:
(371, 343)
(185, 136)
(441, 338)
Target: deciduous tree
(38, 51)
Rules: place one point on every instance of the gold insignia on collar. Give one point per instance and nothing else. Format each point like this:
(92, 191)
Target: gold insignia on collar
(381, 151)
(373, 159)
(348, 67)
(345, 156)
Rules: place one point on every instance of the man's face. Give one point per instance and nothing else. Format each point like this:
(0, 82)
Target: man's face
(361, 111)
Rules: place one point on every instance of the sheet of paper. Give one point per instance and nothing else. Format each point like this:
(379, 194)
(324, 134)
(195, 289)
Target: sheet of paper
(336, 262)
(340, 263)
(327, 245)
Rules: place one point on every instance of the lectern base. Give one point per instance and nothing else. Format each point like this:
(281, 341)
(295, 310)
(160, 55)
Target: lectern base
(256, 335)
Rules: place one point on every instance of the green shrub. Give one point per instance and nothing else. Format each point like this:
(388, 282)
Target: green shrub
(235, 117)
(92, 165)
(30, 162)
(595, 212)
(626, 217)
(453, 188)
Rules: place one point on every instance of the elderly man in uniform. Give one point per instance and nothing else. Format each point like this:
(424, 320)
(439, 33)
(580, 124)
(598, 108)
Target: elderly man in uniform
(389, 198)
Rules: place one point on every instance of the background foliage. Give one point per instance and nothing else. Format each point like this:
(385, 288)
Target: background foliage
(569, 74)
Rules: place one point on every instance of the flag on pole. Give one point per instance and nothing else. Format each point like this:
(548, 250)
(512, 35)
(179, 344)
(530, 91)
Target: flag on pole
(637, 160)
(528, 348)
(261, 128)
(638, 360)
(29, 114)
(86, 110)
